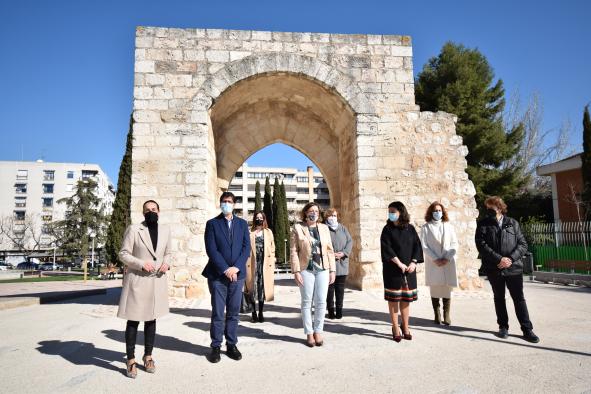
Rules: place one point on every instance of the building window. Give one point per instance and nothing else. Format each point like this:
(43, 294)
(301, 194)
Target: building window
(48, 175)
(48, 188)
(302, 190)
(238, 174)
(20, 202)
(88, 174)
(70, 175)
(20, 188)
(19, 215)
(302, 179)
(288, 176)
(47, 202)
(45, 229)
(21, 175)
(319, 180)
(235, 187)
(47, 218)
(70, 188)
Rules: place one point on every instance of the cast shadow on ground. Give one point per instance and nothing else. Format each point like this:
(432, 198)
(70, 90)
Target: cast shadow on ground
(163, 342)
(83, 353)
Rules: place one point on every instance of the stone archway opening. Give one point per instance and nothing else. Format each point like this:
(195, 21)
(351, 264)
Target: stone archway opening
(295, 110)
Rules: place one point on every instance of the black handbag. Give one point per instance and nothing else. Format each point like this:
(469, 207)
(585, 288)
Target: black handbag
(246, 303)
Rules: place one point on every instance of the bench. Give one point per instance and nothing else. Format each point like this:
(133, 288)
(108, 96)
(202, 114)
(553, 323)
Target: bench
(572, 265)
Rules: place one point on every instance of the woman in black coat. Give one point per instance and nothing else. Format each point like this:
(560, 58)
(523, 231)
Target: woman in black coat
(401, 252)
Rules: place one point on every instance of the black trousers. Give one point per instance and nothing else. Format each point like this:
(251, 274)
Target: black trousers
(515, 286)
(336, 289)
(131, 336)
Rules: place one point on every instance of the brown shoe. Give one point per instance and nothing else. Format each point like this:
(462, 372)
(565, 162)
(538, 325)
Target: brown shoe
(318, 339)
(149, 364)
(131, 370)
(310, 342)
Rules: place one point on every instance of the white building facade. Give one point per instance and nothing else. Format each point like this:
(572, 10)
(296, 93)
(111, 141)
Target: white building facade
(301, 187)
(33, 189)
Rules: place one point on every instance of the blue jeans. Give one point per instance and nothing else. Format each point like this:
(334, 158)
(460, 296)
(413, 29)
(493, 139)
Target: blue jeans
(225, 307)
(315, 289)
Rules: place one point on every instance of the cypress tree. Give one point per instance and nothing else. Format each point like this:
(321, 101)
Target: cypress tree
(120, 218)
(257, 197)
(268, 204)
(276, 197)
(586, 161)
(285, 216)
(460, 81)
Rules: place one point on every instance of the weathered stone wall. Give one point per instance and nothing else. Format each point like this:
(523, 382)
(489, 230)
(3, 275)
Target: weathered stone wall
(204, 100)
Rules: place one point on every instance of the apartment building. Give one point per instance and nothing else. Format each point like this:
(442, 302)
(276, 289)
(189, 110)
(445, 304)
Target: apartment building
(33, 188)
(301, 187)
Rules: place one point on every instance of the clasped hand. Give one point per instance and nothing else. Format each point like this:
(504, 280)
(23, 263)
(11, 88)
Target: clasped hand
(149, 267)
(232, 274)
(441, 262)
(505, 263)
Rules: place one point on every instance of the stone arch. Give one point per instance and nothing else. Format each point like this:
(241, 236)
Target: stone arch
(257, 64)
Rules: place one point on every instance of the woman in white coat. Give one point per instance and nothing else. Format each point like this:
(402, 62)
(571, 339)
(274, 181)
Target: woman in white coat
(146, 252)
(440, 245)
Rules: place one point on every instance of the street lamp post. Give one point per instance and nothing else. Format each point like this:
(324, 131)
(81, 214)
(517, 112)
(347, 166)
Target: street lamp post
(92, 253)
(54, 257)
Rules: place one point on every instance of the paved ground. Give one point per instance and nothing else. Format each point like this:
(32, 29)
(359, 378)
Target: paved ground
(77, 346)
(14, 295)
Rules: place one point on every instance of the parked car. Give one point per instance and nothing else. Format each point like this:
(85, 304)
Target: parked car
(46, 267)
(25, 265)
(5, 267)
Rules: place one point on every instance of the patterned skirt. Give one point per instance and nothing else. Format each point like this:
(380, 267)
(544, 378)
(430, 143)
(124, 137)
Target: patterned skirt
(404, 294)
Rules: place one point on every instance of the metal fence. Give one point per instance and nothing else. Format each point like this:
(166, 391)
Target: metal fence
(559, 242)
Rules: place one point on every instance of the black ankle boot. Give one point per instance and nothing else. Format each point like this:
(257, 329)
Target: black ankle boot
(339, 313)
(436, 310)
(261, 317)
(331, 315)
(254, 318)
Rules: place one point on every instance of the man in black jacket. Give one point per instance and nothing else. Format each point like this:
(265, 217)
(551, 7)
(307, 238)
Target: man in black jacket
(501, 245)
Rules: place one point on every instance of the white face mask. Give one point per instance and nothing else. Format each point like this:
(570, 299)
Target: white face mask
(332, 221)
(227, 207)
(437, 215)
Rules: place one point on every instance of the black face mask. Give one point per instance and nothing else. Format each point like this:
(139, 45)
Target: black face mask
(258, 222)
(491, 213)
(151, 218)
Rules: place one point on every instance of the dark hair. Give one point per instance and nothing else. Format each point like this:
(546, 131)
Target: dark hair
(226, 195)
(306, 208)
(265, 225)
(404, 217)
(431, 209)
(152, 201)
(496, 201)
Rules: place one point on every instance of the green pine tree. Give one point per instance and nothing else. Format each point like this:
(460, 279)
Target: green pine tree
(460, 81)
(285, 218)
(257, 197)
(84, 216)
(268, 204)
(120, 218)
(586, 161)
(276, 197)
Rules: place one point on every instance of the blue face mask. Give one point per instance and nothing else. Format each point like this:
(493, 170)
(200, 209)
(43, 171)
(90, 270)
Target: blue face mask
(437, 215)
(393, 216)
(227, 207)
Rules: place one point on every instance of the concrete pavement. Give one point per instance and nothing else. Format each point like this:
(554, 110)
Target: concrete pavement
(78, 346)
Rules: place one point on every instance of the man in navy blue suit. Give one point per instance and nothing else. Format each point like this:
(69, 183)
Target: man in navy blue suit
(227, 243)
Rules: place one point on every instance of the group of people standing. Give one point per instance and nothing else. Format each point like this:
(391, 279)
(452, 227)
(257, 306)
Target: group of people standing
(242, 262)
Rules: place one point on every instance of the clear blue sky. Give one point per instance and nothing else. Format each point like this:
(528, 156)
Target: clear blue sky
(67, 66)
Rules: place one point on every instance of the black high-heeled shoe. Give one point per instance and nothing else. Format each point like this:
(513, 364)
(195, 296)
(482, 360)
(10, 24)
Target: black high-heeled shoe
(397, 337)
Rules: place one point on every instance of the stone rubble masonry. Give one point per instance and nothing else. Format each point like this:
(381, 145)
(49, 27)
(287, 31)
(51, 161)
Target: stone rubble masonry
(206, 99)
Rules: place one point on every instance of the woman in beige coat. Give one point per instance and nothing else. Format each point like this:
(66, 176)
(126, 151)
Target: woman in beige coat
(314, 268)
(260, 266)
(146, 253)
(440, 246)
